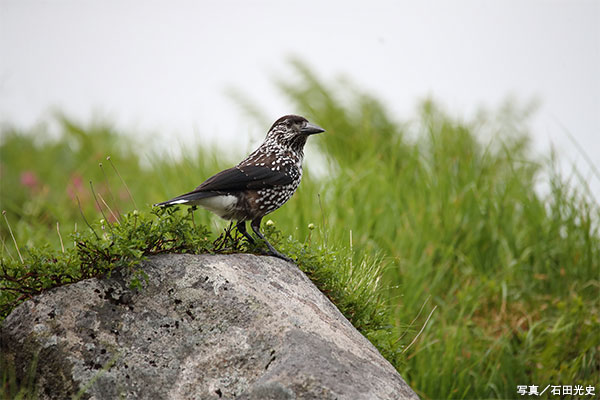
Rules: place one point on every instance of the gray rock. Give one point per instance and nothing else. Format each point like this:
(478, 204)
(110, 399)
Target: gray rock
(203, 327)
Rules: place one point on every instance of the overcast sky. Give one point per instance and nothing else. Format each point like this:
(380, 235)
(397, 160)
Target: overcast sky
(162, 68)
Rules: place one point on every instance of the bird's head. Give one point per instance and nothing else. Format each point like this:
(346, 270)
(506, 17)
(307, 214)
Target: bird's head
(292, 131)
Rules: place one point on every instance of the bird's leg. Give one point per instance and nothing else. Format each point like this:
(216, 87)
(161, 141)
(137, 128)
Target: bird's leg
(228, 231)
(241, 227)
(191, 211)
(255, 224)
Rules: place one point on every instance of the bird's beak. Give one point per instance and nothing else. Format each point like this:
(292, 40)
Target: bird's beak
(311, 129)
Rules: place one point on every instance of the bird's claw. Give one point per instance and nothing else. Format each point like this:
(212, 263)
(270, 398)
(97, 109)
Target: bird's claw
(281, 256)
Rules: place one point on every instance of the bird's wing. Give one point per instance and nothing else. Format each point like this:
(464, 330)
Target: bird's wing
(233, 180)
(242, 178)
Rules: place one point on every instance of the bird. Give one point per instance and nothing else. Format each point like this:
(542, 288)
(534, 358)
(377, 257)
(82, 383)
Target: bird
(258, 185)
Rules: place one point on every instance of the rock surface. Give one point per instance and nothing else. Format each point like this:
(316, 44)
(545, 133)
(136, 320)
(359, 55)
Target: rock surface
(203, 327)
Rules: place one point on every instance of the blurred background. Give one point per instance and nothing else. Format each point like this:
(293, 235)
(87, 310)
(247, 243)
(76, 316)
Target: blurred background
(166, 71)
(461, 154)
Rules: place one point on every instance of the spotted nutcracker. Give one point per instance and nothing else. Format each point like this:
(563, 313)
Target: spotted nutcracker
(261, 183)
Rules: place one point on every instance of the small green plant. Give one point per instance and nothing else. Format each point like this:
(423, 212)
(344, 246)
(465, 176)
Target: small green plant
(99, 250)
(356, 290)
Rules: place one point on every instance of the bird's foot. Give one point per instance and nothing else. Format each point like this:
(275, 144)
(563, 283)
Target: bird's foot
(275, 253)
(272, 252)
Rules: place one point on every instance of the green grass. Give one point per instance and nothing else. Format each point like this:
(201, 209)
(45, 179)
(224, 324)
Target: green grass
(434, 219)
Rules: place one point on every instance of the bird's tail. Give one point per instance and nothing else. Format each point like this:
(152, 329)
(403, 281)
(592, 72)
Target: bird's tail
(188, 198)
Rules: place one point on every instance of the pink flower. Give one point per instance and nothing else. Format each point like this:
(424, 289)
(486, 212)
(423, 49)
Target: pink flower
(74, 186)
(77, 180)
(29, 179)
